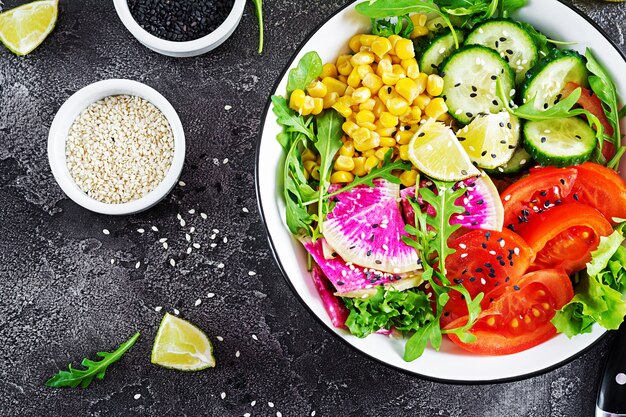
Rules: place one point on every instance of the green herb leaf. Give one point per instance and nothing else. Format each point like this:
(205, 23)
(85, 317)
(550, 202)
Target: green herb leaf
(94, 369)
(385, 27)
(606, 249)
(308, 69)
(540, 39)
(258, 7)
(388, 309)
(296, 190)
(417, 343)
(288, 118)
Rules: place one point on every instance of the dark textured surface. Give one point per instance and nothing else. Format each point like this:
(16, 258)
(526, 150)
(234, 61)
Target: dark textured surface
(63, 299)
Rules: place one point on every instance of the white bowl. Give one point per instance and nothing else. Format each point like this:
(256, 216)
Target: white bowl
(450, 364)
(181, 49)
(70, 110)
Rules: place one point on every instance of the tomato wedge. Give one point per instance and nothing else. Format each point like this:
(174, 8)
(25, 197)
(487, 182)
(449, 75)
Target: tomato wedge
(545, 188)
(520, 318)
(591, 102)
(483, 261)
(564, 236)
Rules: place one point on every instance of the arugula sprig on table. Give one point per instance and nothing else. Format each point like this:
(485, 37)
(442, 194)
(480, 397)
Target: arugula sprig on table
(258, 8)
(93, 369)
(430, 238)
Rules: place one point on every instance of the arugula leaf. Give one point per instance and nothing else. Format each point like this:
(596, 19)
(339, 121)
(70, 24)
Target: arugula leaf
(94, 369)
(296, 190)
(417, 343)
(380, 9)
(403, 310)
(602, 84)
(386, 27)
(289, 119)
(258, 7)
(510, 6)
(541, 40)
(308, 69)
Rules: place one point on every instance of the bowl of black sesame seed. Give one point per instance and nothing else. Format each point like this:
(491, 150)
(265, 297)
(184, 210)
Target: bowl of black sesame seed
(180, 28)
(116, 147)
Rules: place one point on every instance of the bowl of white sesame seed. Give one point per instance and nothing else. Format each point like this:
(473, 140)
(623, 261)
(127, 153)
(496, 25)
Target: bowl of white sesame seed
(116, 147)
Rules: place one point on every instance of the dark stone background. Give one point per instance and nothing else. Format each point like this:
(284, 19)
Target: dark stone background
(62, 299)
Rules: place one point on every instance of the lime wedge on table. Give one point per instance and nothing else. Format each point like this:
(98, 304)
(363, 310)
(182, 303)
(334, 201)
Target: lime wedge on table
(490, 140)
(181, 345)
(24, 28)
(436, 152)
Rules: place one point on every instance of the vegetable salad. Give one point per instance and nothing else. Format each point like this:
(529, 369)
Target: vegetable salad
(455, 174)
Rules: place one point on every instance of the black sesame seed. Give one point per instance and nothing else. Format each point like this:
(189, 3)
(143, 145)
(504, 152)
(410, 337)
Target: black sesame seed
(493, 77)
(576, 197)
(546, 204)
(543, 193)
(374, 226)
(472, 279)
(483, 153)
(479, 202)
(470, 115)
(511, 147)
(352, 247)
(474, 89)
(509, 125)
(558, 202)
(562, 181)
(457, 84)
(509, 51)
(378, 261)
(488, 265)
(503, 39)
(494, 156)
(545, 106)
(479, 270)
(372, 238)
(434, 66)
(495, 102)
(578, 137)
(421, 134)
(484, 245)
(474, 223)
(369, 252)
(336, 199)
(473, 95)
(340, 283)
(497, 44)
(506, 58)
(447, 313)
(515, 287)
(458, 281)
(543, 139)
(463, 172)
(334, 254)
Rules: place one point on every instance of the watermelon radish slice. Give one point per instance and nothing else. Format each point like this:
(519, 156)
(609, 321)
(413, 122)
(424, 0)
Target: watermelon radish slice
(366, 228)
(335, 308)
(354, 281)
(483, 207)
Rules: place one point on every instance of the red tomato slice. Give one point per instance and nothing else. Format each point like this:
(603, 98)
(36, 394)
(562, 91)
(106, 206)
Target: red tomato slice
(520, 318)
(589, 183)
(591, 102)
(564, 236)
(483, 261)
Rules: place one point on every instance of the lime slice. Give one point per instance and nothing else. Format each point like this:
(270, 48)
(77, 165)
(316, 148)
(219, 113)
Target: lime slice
(181, 345)
(24, 28)
(436, 152)
(490, 140)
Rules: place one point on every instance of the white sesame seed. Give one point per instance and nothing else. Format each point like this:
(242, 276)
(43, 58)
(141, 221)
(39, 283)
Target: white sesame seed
(187, 237)
(225, 239)
(163, 239)
(225, 161)
(516, 250)
(220, 265)
(192, 229)
(158, 308)
(442, 50)
(203, 215)
(137, 396)
(502, 243)
(137, 265)
(176, 311)
(463, 255)
(165, 245)
(140, 231)
(183, 223)
(223, 395)
(219, 338)
(196, 245)
(213, 236)
(179, 217)
(245, 210)
(213, 245)
(210, 295)
(215, 231)
(254, 337)
(106, 231)
(313, 412)
(279, 414)
(112, 261)
(507, 198)
(522, 162)
(228, 107)
(483, 281)
(172, 262)
(253, 403)
(246, 414)
(270, 404)
(492, 252)
(189, 250)
(198, 302)
(155, 229)
(251, 273)
(181, 183)
(237, 354)
(463, 246)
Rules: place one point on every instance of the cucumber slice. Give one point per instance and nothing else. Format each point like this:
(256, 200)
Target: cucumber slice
(469, 76)
(547, 79)
(560, 142)
(437, 51)
(518, 162)
(510, 40)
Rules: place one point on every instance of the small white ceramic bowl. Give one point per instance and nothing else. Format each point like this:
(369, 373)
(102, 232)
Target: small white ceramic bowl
(70, 110)
(181, 49)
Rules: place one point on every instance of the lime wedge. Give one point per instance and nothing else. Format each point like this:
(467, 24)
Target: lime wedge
(436, 152)
(24, 28)
(181, 345)
(490, 140)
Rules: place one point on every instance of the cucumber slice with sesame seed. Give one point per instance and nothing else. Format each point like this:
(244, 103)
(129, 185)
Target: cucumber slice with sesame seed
(547, 79)
(437, 51)
(518, 162)
(510, 40)
(560, 142)
(469, 76)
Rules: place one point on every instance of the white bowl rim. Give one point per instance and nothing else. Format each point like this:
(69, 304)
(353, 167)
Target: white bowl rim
(215, 38)
(66, 115)
(304, 303)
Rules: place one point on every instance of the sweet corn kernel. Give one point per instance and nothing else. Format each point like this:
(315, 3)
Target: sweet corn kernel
(411, 68)
(421, 81)
(363, 70)
(381, 152)
(309, 165)
(386, 93)
(342, 108)
(416, 113)
(407, 88)
(297, 99)
(348, 93)
(397, 106)
(318, 105)
(373, 82)
(436, 108)
(434, 86)
(362, 58)
(390, 78)
(387, 141)
(404, 137)
(345, 68)
(445, 118)
(307, 175)
(361, 95)
(398, 70)
(347, 149)
(403, 152)
(404, 49)
(379, 108)
(308, 155)
(384, 65)
(419, 19)
(349, 127)
(341, 59)
(355, 43)
(330, 99)
(359, 166)
(354, 80)
(381, 46)
(385, 131)
(368, 125)
(315, 173)
(371, 163)
(344, 163)
(393, 39)
(329, 70)
(365, 116)
(335, 86)
(388, 120)
(395, 60)
(343, 78)
(309, 106)
(419, 31)
(368, 104)
(340, 177)
(364, 139)
(408, 178)
(317, 89)
(368, 153)
(367, 40)
(422, 101)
